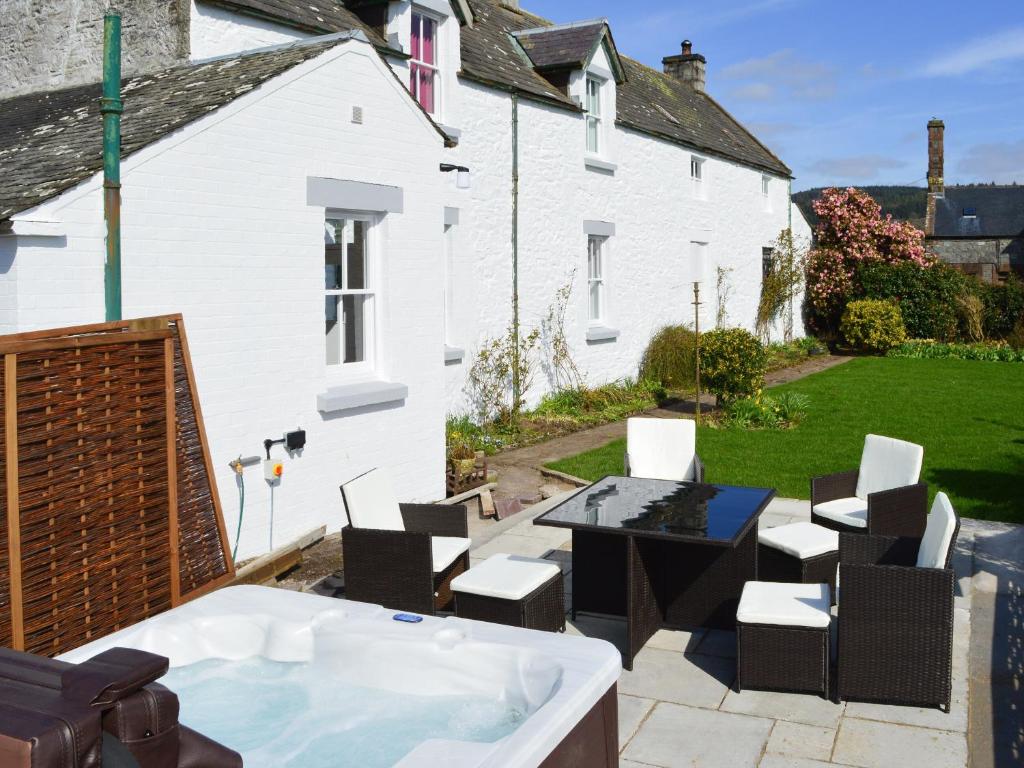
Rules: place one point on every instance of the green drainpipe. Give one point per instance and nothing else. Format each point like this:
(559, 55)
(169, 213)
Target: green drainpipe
(517, 384)
(111, 109)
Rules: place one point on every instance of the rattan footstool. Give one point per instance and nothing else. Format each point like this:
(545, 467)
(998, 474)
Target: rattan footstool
(513, 590)
(782, 637)
(803, 553)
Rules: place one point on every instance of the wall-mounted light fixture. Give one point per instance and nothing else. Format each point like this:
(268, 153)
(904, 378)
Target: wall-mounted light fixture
(462, 181)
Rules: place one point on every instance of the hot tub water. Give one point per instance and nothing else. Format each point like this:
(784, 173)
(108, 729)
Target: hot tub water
(298, 717)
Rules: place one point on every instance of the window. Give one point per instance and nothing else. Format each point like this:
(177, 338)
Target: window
(593, 115)
(697, 175)
(349, 292)
(423, 64)
(767, 262)
(595, 277)
(766, 185)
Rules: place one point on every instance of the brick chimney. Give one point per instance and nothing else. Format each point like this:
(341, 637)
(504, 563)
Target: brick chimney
(936, 161)
(936, 153)
(688, 67)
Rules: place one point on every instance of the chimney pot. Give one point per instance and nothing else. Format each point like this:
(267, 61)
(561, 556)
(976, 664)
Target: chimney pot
(687, 47)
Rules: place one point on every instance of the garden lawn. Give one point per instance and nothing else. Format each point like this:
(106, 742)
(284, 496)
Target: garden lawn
(968, 415)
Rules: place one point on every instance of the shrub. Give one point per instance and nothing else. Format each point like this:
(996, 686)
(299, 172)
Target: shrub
(871, 325)
(1004, 307)
(990, 351)
(928, 297)
(599, 405)
(971, 309)
(1016, 339)
(732, 363)
(782, 412)
(671, 357)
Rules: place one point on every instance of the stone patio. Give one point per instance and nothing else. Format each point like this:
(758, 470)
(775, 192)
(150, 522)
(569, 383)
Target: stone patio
(678, 706)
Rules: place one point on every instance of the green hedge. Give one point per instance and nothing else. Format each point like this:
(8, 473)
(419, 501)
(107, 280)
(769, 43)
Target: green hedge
(732, 363)
(1004, 307)
(985, 350)
(927, 298)
(873, 325)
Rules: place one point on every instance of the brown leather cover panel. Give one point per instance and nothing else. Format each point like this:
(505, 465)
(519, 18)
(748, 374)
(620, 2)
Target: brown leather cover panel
(594, 742)
(15, 753)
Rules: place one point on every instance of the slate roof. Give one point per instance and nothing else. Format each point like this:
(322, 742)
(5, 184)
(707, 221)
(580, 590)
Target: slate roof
(317, 16)
(571, 45)
(648, 101)
(51, 141)
(999, 212)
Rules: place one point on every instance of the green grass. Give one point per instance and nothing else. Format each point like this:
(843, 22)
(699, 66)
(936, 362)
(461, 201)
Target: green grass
(968, 415)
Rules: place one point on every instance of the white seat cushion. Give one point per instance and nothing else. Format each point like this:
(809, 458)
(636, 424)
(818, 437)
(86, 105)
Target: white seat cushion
(661, 449)
(851, 511)
(788, 605)
(371, 503)
(938, 534)
(887, 463)
(508, 577)
(800, 540)
(444, 550)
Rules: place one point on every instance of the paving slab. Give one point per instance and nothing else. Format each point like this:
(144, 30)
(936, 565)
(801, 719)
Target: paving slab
(678, 640)
(718, 642)
(796, 740)
(555, 537)
(632, 711)
(782, 761)
(675, 736)
(526, 546)
(612, 630)
(793, 707)
(700, 681)
(925, 717)
(868, 744)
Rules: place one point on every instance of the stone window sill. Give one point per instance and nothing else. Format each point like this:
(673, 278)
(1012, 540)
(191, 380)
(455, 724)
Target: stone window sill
(597, 164)
(453, 354)
(349, 396)
(601, 333)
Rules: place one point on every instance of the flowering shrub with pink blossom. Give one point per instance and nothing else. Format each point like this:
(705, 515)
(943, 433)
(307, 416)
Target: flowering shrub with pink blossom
(851, 232)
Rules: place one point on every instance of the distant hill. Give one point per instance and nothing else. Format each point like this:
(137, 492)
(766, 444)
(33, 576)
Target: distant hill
(906, 203)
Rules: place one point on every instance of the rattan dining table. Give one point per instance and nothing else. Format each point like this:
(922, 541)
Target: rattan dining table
(661, 553)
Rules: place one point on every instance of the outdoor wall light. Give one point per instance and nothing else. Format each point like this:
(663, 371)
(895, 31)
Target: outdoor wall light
(462, 180)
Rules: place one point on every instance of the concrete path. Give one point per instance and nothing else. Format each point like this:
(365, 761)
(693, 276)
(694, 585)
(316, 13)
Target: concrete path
(677, 707)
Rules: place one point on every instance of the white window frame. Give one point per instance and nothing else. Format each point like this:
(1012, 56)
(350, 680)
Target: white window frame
(591, 118)
(597, 246)
(436, 66)
(698, 176)
(366, 367)
(766, 186)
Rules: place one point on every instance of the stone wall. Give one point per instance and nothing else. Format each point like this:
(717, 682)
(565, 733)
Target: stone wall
(46, 44)
(987, 258)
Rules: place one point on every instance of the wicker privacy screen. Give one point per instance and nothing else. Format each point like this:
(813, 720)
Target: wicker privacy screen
(110, 511)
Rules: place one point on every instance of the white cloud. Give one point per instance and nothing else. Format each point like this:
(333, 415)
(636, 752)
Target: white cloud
(1001, 162)
(979, 53)
(782, 73)
(855, 167)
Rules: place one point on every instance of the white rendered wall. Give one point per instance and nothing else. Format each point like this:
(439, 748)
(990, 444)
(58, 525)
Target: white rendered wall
(216, 226)
(649, 264)
(216, 31)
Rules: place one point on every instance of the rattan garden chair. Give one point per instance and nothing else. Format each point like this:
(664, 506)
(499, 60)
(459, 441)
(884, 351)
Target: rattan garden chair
(896, 614)
(663, 449)
(883, 497)
(401, 556)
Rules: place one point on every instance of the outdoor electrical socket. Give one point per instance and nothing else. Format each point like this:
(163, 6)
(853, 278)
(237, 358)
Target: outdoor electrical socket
(272, 471)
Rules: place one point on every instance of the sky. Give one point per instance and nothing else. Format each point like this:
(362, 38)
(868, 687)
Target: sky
(842, 91)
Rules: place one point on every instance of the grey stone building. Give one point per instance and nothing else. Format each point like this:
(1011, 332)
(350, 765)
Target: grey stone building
(976, 228)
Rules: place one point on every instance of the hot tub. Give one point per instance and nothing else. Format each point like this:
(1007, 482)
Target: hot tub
(300, 680)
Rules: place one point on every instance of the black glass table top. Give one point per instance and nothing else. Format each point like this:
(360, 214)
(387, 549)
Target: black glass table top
(662, 508)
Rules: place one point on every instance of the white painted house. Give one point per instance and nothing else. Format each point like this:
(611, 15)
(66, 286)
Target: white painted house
(246, 165)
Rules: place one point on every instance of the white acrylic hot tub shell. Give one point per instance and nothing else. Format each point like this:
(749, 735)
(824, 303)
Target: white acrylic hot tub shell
(561, 677)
